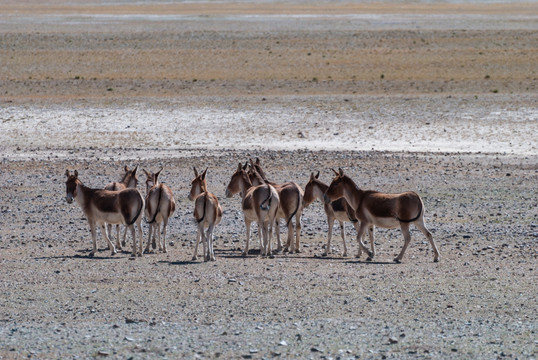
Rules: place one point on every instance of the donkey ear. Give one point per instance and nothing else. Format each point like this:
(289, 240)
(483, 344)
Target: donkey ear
(126, 168)
(245, 166)
(195, 171)
(158, 173)
(340, 172)
(203, 174)
(312, 177)
(257, 161)
(147, 173)
(335, 172)
(135, 169)
(240, 167)
(67, 173)
(317, 175)
(76, 174)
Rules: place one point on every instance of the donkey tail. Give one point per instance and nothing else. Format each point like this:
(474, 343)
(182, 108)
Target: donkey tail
(205, 205)
(140, 207)
(158, 208)
(267, 200)
(296, 209)
(413, 219)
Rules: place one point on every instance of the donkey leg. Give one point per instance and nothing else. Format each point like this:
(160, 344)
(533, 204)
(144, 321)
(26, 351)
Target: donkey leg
(278, 240)
(343, 231)
(290, 238)
(140, 234)
(330, 222)
(165, 222)
(360, 234)
(210, 242)
(198, 237)
(356, 225)
(159, 237)
(118, 232)
(297, 232)
(105, 236)
(263, 225)
(149, 237)
(247, 224)
(407, 239)
(123, 241)
(205, 246)
(372, 245)
(109, 227)
(420, 225)
(94, 238)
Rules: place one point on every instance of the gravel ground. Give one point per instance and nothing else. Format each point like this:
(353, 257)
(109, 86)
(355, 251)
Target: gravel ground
(76, 95)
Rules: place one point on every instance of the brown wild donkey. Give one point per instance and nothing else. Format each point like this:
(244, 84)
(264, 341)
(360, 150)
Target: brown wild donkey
(291, 205)
(382, 210)
(107, 207)
(207, 213)
(260, 203)
(160, 206)
(129, 180)
(335, 210)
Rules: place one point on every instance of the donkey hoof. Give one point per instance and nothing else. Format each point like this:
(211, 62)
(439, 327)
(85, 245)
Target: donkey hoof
(344, 255)
(369, 258)
(244, 254)
(436, 259)
(92, 254)
(397, 261)
(324, 254)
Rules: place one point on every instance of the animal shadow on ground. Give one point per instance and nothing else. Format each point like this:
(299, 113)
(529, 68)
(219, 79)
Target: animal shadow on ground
(82, 254)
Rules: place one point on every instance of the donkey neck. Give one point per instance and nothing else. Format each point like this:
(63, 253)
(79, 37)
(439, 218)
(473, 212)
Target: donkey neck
(353, 194)
(320, 188)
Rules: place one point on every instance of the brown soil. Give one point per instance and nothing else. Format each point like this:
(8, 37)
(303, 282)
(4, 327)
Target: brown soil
(479, 301)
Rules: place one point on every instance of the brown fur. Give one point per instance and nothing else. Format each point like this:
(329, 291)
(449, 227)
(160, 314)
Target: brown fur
(260, 203)
(335, 210)
(207, 213)
(291, 205)
(160, 206)
(106, 207)
(129, 180)
(382, 210)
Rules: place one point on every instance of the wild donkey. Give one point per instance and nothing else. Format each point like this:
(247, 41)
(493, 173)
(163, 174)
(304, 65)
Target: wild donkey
(335, 210)
(160, 205)
(107, 207)
(207, 213)
(260, 203)
(382, 210)
(291, 205)
(129, 180)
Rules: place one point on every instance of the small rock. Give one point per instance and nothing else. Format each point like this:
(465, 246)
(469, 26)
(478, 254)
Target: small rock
(393, 340)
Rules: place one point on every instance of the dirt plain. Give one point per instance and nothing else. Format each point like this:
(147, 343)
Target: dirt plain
(355, 71)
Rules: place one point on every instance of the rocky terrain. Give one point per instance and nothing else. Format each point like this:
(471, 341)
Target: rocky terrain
(438, 98)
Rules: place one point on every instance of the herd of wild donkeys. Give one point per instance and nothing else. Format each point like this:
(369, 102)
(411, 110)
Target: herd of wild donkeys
(262, 201)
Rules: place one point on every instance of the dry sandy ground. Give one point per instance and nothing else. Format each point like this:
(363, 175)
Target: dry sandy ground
(439, 98)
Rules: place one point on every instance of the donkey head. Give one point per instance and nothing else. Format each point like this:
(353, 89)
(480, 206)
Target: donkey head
(337, 187)
(152, 179)
(198, 184)
(71, 186)
(311, 188)
(239, 182)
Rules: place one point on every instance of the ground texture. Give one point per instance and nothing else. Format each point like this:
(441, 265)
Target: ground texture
(445, 94)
